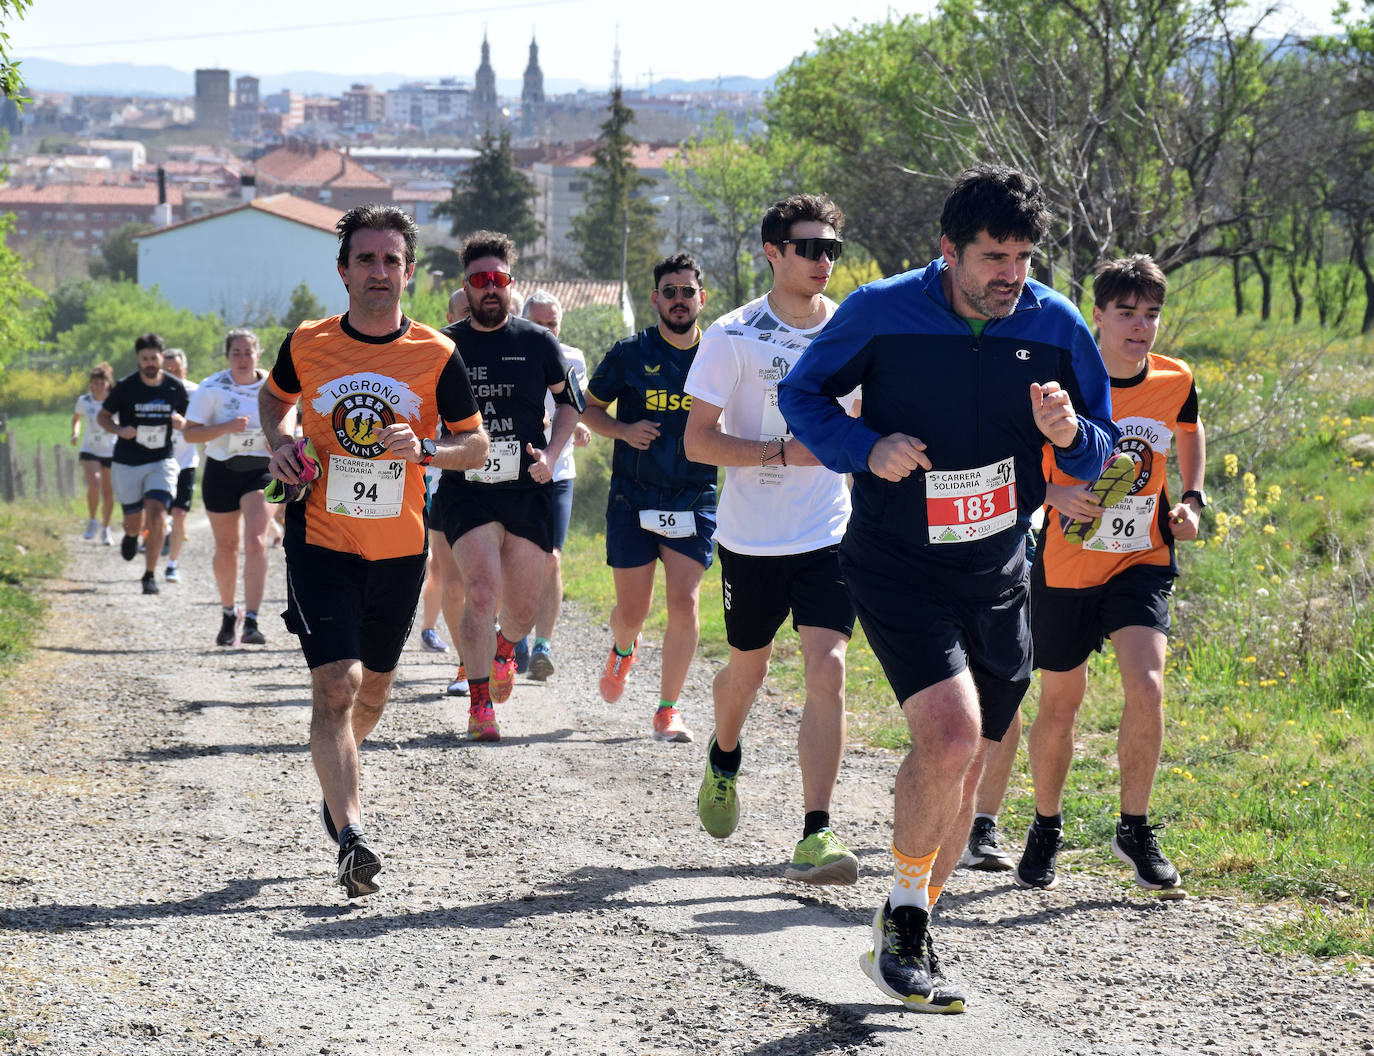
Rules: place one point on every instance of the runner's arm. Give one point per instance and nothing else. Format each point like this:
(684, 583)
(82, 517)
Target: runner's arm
(108, 423)
(1192, 463)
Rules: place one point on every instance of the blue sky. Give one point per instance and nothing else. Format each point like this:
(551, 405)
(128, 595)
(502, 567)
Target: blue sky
(690, 40)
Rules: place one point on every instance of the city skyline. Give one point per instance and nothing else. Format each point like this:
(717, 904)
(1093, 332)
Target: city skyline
(577, 37)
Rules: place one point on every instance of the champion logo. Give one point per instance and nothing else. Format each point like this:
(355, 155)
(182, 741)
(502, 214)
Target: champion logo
(1023, 354)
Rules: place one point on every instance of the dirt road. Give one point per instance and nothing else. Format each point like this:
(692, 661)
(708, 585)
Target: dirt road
(165, 886)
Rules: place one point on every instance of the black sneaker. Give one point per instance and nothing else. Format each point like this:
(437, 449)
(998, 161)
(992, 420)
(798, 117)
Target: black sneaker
(1137, 847)
(357, 867)
(251, 635)
(150, 583)
(984, 851)
(944, 995)
(1036, 868)
(227, 625)
(128, 546)
(897, 963)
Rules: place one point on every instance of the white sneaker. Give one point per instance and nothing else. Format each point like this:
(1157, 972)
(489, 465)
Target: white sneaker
(91, 527)
(106, 538)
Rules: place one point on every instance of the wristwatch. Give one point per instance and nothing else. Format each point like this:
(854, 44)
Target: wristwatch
(428, 449)
(1192, 493)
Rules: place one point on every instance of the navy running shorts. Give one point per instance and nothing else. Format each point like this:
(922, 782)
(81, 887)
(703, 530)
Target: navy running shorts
(345, 607)
(630, 545)
(222, 487)
(562, 510)
(927, 623)
(759, 591)
(459, 506)
(1067, 626)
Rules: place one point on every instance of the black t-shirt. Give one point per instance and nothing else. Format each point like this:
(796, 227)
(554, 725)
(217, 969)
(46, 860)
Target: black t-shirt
(510, 370)
(643, 376)
(148, 408)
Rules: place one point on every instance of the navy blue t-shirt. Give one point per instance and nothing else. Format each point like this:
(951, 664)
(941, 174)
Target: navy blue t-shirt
(643, 375)
(148, 408)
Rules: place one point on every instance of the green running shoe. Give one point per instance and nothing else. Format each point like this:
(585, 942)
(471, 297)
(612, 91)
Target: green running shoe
(717, 802)
(822, 859)
(1112, 485)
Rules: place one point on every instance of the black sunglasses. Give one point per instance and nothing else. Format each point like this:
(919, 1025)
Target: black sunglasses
(671, 292)
(812, 248)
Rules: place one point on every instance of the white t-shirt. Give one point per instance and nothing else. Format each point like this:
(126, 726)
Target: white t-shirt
(95, 439)
(220, 399)
(769, 511)
(186, 453)
(564, 469)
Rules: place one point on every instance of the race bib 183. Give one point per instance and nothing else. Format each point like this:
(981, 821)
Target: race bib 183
(967, 504)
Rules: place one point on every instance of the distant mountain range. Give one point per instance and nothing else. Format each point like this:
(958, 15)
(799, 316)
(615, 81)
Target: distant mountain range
(122, 78)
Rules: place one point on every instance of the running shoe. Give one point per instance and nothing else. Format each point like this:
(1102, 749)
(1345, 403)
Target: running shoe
(328, 822)
(616, 671)
(430, 639)
(717, 800)
(128, 546)
(459, 686)
(822, 859)
(92, 526)
(251, 635)
(522, 655)
(173, 574)
(1036, 868)
(1112, 485)
(150, 583)
(358, 867)
(984, 851)
(541, 662)
(668, 726)
(482, 723)
(1138, 848)
(897, 962)
(106, 536)
(502, 679)
(944, 995)
(228, 624)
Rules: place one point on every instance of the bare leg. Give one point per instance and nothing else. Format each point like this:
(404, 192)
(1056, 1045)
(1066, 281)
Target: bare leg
(256, 518)
(998, 764)
(734, 689)
(478, 557)
(550, 597)
(522, 575)
(1140, 656)
(451, 595)
(634, 594)
(682, 579)
(432, 596)
(348, 701)
(156, 514)
(1050, 743)
(820, 742)
(225, 527)
(178, 535)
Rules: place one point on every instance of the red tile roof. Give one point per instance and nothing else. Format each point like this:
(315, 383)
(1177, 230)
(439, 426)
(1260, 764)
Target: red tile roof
(313, 167)
(574, 293)
(644, 156)
(86, 194)
(286, 206)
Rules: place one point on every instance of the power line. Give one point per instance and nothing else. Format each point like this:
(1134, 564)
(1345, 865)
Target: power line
(352, 24)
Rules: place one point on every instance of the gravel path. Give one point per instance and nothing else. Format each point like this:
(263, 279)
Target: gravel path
(165, 887)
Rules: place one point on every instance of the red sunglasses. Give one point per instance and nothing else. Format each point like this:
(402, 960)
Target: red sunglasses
(480, 280)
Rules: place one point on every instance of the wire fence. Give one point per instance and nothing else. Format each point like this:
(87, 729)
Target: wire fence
(34, 471)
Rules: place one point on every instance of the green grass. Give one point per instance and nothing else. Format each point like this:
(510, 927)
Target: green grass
(31, 549)
(1266, 782)
(46, 429)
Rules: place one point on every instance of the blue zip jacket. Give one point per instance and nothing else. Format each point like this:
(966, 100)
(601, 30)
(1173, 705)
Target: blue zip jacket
(968, 399)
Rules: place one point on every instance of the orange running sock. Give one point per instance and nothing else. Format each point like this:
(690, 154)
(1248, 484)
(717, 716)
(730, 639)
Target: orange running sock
(911, 879)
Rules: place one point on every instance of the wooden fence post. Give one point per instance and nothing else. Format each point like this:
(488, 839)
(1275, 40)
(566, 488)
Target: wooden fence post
(6, 461)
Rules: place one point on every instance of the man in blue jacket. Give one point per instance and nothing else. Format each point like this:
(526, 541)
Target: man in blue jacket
(967, 368)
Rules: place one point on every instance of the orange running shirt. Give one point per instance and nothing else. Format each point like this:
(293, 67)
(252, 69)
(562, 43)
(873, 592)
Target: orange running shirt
(1148, 409)
(350, 385)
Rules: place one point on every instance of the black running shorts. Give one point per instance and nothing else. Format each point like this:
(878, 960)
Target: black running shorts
(927, 623)
(222, 487)
(459, 506)
(186, 487)
(1068, 625)
(759, 592)
(344, 607)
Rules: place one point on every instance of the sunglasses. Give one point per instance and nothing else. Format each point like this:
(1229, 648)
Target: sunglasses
(672, 292)
(812, 248)
(480, 280)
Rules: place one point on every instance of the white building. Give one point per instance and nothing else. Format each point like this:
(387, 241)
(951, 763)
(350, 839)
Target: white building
(244, 262)
(424, 105)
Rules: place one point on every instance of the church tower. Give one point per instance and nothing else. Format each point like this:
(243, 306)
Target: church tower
(485, 112)
(532, 97)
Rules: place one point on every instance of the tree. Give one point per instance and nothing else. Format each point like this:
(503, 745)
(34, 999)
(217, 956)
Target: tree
(117, 312)
(303, 305)
(733, 181)
(10, 81)
(118, 260)
(493, 195)
(617, 233)
(24, 310)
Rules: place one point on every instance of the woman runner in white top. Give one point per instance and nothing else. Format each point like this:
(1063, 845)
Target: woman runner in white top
(97, 449)
(223, 414)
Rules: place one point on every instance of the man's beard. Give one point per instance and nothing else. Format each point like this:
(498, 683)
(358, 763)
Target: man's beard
(676, 327)
(488, 315)
(982, 299)
(150, 372)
